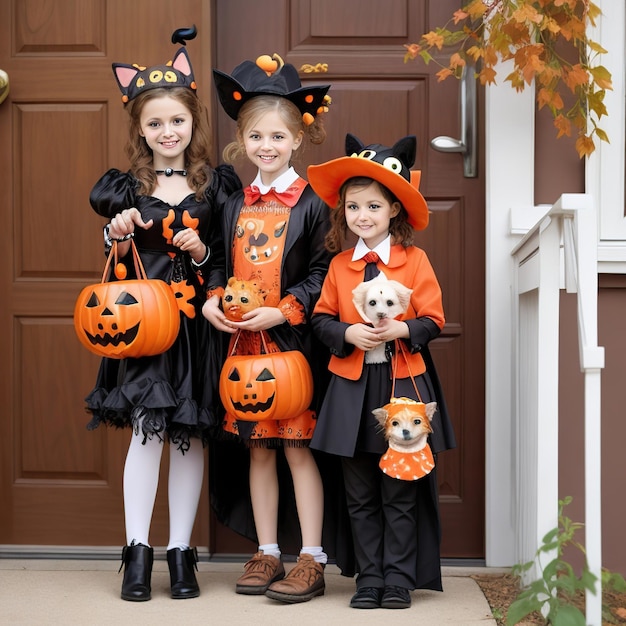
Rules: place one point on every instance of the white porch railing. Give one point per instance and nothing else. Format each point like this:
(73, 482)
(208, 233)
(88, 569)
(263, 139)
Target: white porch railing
(561, 249)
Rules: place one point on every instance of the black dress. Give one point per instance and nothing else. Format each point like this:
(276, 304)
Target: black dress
(171, 395)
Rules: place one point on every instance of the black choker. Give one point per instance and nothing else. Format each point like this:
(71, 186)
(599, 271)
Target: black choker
(169, 171)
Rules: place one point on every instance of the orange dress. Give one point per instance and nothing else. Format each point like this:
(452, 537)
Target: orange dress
(257, 254)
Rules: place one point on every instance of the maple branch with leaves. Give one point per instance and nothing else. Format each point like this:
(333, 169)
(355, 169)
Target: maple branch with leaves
(532, 34)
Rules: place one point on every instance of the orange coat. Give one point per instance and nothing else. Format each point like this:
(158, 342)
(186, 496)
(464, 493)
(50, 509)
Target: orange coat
(409, 266)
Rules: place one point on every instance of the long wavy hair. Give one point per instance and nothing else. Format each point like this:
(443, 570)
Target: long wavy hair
(253, 110)
(399, 227)
(197, 153)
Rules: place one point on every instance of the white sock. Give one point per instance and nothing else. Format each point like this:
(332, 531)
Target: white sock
(316, 552)
(141, 478)
(270, 549)
(184, 487)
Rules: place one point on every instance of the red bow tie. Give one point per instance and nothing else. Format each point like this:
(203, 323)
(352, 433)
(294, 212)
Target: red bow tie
(289, 197)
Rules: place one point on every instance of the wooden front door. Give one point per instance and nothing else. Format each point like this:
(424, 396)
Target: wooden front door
(380, 99)
(63, 126)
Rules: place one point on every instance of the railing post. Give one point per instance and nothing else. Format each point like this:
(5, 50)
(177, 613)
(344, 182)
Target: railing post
(571, 223)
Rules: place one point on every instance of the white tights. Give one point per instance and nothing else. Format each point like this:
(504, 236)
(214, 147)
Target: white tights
(141, 478)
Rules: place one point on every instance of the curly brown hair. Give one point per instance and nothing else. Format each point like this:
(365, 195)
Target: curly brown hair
(399, 227)
(256, 108)
(197, 154)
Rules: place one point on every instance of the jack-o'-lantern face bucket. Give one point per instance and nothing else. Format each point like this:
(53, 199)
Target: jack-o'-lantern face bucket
(278, 385)
(127, 318)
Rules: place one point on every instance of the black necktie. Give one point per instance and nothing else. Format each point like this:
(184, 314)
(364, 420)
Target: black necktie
(371, 271)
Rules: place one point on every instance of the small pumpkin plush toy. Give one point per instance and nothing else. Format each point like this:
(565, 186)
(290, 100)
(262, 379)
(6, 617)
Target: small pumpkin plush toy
(241, 296)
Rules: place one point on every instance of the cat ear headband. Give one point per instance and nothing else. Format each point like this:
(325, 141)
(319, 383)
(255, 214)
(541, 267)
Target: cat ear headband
(134, 79)
(388, 166)
(269, 76)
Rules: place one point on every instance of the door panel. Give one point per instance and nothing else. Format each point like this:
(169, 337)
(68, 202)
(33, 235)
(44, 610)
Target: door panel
(59, 483)
(380, 99)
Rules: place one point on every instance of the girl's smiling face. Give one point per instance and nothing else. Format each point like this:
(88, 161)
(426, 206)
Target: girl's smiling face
(369, 213)
(269, 144)
(167, 126)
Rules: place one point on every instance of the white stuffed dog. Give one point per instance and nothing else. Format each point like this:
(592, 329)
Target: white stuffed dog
(376, 300)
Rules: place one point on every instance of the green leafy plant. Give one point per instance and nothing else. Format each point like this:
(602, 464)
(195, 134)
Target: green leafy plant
(552, 593)
(548, 43)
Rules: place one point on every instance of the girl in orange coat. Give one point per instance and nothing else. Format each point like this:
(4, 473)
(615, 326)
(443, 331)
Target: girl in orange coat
(395, 523)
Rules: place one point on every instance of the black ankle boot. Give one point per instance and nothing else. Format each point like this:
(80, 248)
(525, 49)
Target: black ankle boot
(182, 576)
(137, 562)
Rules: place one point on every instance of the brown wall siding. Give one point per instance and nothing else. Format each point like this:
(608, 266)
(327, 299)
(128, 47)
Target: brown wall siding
(558, 169)
(611, 306)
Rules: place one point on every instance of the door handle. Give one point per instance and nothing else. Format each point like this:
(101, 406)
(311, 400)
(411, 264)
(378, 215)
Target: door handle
(4, 85)
(466, 145)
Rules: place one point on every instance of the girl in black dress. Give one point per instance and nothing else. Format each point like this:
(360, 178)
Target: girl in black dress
(169, 202)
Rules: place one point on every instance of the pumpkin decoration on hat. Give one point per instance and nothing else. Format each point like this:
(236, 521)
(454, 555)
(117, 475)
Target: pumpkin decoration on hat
(269, 76)
(126, 318)
(389, 166)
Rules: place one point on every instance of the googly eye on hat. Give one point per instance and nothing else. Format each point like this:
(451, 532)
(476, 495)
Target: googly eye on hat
(389, 166)
(268, 76)
(135, 79)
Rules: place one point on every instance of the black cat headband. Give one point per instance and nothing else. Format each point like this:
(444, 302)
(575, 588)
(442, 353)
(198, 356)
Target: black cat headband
(134, 79)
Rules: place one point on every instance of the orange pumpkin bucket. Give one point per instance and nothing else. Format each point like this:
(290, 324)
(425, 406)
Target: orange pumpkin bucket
(127, 318)
(274, 385)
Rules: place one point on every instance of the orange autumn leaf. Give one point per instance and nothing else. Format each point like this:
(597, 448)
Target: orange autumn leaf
(459, 15)
(476, 9)
(527, 13)
(490, 56)
(434, 39)
(575, 76)
(563, 125)
(602, 77)
(444, 73)
(487, 76)
(412, 50)
(456, 60)
(550, 98)
(551, 25)
(584, 146)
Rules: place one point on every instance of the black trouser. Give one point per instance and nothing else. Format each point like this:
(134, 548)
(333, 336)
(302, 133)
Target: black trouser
(383, 514)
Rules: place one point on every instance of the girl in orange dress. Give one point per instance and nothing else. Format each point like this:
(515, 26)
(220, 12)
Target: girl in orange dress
(274, 233)
(395, 523)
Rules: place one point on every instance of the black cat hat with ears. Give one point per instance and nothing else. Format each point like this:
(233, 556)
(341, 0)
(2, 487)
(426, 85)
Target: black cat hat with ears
(269, 76)
(133, 79)
(388, 166)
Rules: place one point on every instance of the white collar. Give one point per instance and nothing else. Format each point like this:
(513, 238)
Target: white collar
(383, 250)
(282, 183)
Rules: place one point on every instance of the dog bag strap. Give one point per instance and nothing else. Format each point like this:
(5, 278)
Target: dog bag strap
(401, 349)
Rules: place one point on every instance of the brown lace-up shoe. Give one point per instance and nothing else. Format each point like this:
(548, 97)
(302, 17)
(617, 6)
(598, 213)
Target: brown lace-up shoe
(304, 581)
(259, 573)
